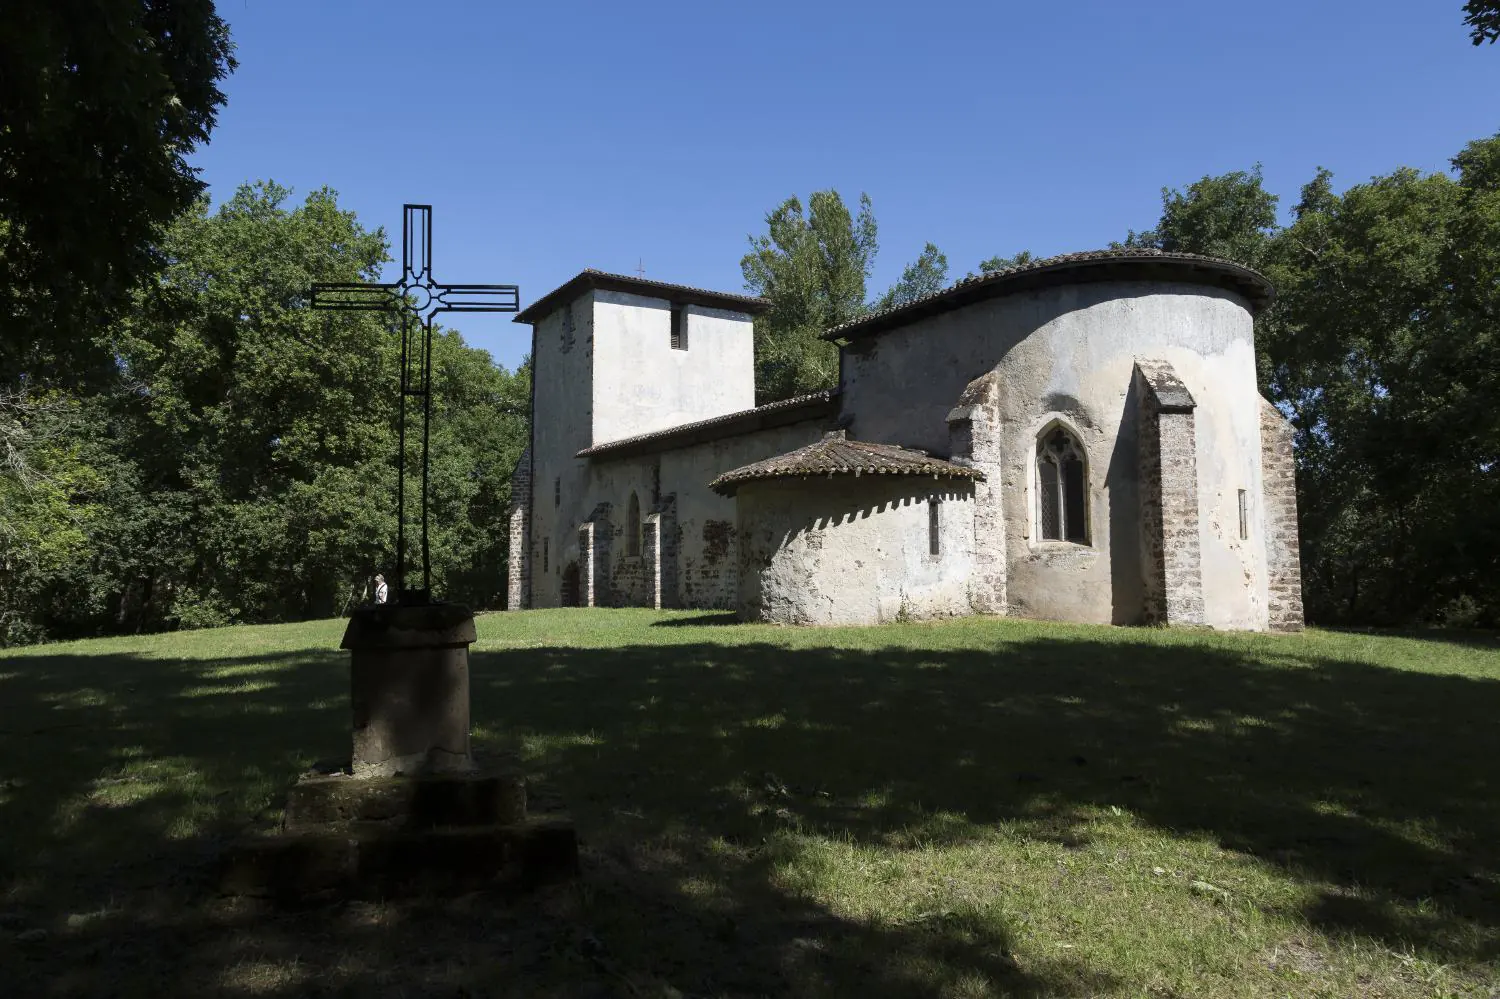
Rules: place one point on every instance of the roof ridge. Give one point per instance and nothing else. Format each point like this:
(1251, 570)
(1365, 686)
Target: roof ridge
(592, 276)
(822, 395)
(1046, 263)
(834, 455)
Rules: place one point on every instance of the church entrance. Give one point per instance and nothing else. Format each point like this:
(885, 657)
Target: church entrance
(570, 590)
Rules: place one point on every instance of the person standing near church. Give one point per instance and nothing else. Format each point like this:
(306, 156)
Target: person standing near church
(382, 592)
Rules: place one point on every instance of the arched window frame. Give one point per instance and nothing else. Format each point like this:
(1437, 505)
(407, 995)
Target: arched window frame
(1058, 443)
(633, 527)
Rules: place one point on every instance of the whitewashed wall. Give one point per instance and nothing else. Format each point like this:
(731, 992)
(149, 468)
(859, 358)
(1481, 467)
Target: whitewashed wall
(643, 385)
(1068, 353)
(846, 550)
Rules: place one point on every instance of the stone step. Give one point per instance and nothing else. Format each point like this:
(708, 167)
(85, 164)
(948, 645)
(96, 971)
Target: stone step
(373, 860)
(492, 798)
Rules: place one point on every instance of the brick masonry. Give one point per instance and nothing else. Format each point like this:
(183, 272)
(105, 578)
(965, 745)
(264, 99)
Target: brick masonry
(651, 559)
(712, 579)
(974, 441)
(586, 564)
(596, 582)
(1283, 555)
(1170, 554)
(518, 582)
(669, 535)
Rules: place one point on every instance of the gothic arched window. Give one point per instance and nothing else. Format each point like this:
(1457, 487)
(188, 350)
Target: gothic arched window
(633, 527)
(1062, 488)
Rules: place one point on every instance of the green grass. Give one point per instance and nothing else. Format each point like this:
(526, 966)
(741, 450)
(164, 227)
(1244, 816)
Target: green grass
(961, 809)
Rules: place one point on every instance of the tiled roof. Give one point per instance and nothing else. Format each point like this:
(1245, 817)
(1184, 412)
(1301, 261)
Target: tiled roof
(836, 455)
(685, 294)
(772, 414)
(1069, 268)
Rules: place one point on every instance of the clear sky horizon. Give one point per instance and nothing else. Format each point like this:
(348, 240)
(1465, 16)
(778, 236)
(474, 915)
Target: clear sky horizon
(554, 137)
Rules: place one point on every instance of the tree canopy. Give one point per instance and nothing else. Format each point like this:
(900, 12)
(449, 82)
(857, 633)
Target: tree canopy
(813, 267)
(241, 466)
(999, 263)
(1230, 216)
(926, 275)
(101, 101)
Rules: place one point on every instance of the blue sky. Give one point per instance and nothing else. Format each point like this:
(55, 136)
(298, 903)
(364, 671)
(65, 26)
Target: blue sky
(550, 137)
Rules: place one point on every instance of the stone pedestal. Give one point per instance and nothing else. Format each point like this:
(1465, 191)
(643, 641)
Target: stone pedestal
(409, 689)
(383, 837)
(414, 812)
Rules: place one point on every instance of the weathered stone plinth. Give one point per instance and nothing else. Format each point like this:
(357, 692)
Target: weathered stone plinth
(409, 689)
(392, 836)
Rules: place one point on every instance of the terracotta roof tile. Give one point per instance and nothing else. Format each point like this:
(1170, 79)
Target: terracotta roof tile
(1063, 269)
(772, 414)
(836, 455)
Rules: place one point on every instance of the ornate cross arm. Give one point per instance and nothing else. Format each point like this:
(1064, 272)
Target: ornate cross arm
(478, 298)
(356, 296)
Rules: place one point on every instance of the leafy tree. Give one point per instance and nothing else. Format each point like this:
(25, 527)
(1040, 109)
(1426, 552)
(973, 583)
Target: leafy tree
(479, 428)
(1483, 19)
(813, 267)
(49, 493)
(242, 465)
(1231, 216)
(101, 101)
(263, 424)
(927, 275)
(998, 263)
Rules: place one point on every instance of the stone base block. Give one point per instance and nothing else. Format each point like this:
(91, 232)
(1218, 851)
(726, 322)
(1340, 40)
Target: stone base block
(382, 837)
(363, 861)
(480, 799)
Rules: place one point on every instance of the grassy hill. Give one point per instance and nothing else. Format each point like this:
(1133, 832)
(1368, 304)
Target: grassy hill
(959, 809)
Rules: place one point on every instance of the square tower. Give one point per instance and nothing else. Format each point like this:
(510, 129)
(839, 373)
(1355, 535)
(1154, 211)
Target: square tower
(615, 357)
(637, 356)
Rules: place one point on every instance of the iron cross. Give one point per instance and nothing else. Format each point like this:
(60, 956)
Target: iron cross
(415, 297)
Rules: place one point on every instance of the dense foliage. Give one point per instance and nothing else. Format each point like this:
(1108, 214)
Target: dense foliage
(927, 275)
(240, 466)
(101, 101)
(812, 266)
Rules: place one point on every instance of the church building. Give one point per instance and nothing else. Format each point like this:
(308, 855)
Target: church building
(1078, 439)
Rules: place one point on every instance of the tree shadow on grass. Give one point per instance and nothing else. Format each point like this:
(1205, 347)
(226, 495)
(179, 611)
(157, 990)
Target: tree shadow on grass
(124, 777)
(1378, 782)
(120, 778)
(698, 620)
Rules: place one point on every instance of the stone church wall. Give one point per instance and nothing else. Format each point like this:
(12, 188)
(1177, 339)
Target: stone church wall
(708, 534)
(1283, 554)
(698, 537)
(518, 570)
(561, 426)
(1170, 531)
(974, 440)
(848, 550)
(1066, 355)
